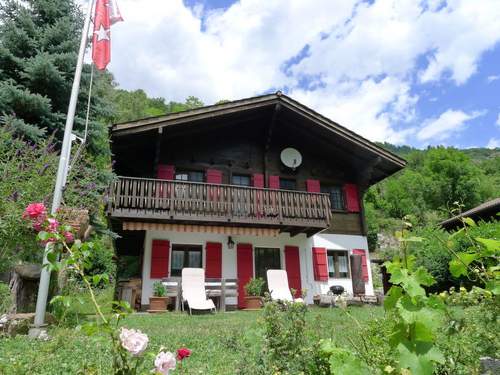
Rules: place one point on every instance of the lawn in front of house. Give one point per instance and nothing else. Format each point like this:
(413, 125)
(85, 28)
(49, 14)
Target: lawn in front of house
(218, 341)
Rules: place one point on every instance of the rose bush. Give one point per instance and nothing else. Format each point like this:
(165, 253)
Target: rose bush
(64, 252)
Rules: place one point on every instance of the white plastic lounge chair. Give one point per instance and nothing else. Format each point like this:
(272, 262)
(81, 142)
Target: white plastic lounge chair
(277, 282)
(193, 290)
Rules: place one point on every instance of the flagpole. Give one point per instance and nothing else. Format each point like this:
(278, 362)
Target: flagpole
(43, 289)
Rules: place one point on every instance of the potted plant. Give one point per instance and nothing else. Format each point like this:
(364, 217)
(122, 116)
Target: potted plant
(158, 302)
(253, 291)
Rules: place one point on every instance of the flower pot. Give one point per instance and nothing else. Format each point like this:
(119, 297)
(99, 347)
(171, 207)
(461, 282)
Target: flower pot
(253, 302)
(158, 303)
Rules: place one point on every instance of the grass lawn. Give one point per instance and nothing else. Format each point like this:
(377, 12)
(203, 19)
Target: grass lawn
(218, 341)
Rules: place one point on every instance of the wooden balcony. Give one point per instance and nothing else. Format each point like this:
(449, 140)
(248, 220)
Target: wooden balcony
(210, 204)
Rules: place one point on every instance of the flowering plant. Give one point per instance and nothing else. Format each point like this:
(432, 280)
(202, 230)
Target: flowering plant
(63, 251)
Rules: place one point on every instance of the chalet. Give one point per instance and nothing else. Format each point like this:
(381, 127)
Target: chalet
(245, 186)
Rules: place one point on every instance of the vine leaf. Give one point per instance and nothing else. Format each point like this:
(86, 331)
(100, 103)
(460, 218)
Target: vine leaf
(419, 357)
(458, 267)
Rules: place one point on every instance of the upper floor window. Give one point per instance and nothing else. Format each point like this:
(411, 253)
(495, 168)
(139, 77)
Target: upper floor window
(338, 264)
(336, 194)
(195, 176)
(240, 179)
(288, 184)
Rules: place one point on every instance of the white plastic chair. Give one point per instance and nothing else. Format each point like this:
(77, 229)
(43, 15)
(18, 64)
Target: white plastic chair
(193, 290)
(277, 283)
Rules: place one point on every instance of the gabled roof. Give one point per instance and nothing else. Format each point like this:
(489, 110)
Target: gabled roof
(483, 211)
(227, 108)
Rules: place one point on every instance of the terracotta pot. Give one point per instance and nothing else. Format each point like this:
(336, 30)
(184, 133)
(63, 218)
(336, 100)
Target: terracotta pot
(158, 303)
(253, 302)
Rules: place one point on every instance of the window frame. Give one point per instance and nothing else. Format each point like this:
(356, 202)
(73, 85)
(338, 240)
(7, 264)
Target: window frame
(327, 189)
(240, 175)
(185, 248)
(295, 188)
(336, 272)
(189, 173)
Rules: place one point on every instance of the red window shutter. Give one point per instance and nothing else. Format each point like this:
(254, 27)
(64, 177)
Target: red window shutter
(258, 180)
(292, 265)
(352, 197)
(244, 270)
(159, 259)
(274, 182)
(165, 172)
(320, 267)
(364, 265)
(214, 176)
(313, 186)
(213, 260)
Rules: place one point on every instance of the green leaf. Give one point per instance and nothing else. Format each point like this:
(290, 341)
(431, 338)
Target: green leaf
(458, 267)
(392, 297)
(96, 279)
(423, 277)
(493, 286)
(420, 358)
(43, 236)
(469, 221)
(343, 362)
(492, 246)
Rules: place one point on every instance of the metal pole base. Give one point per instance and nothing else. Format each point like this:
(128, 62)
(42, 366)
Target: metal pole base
(39, 332)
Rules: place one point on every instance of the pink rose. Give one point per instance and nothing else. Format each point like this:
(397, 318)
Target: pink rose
(35, 211)
(68, 236)
(164, 362)
(53, 225)
(134, 341)
(37, 225)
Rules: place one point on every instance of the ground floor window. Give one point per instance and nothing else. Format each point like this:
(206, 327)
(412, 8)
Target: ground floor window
(338, 263)
(185, 256)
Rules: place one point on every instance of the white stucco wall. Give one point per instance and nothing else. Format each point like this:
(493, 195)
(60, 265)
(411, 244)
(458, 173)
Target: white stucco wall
(329, 241)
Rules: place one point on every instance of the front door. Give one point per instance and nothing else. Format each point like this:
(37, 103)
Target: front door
(266, 259)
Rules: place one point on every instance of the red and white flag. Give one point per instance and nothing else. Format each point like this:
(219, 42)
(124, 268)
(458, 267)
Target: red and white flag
(106, 14)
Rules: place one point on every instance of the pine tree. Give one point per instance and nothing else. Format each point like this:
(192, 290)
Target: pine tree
(39, 42)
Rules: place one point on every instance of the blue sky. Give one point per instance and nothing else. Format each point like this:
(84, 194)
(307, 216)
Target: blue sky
(403, 71)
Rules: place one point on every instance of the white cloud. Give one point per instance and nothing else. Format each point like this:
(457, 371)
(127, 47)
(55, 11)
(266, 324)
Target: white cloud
(493, 143)
(498, 120)
(446, 125)
(359, 66)
(492, 78)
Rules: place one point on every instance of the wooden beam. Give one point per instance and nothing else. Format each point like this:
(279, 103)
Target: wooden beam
(269, 137)
(365, 174)
(157, 150)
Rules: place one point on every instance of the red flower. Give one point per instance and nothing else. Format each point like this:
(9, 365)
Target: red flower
(183, 353)
(35, 211)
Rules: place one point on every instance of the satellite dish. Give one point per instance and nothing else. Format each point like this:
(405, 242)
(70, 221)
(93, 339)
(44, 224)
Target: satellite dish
(291, 157)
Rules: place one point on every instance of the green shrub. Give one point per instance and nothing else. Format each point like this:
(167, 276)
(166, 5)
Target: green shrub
(255, 286)
(432, 254)
(5, 298)
(470, 331)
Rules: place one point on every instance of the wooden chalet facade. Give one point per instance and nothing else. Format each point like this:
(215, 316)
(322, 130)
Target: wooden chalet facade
(209, 188)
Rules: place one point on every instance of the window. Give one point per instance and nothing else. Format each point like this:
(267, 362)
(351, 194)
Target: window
(239, 179)
(185, 256)
(338, 264)
(288, 184)
(195, 176)
(336, 196)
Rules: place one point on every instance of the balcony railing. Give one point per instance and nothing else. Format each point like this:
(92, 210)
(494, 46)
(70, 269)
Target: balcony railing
(180, 201)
